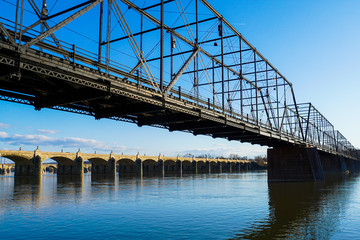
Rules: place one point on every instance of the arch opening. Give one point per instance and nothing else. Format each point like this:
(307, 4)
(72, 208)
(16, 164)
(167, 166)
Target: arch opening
(6, 166)
(126, 165)
(97, 161)
(62, 160)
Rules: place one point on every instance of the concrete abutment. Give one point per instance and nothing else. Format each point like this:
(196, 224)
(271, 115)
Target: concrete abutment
(296, 164)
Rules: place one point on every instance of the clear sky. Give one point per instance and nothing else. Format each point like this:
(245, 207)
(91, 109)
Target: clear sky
(315, 44)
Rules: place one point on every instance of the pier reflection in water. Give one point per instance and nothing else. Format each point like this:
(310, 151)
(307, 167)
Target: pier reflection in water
(203, 206)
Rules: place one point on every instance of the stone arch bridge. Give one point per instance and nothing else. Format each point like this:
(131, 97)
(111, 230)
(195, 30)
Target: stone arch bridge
(30, 163)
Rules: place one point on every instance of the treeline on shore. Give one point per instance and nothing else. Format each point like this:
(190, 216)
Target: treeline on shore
(257, 162)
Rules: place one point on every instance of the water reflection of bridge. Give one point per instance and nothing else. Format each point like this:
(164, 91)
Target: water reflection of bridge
(7, 168)
(303, 210)
(28, 163)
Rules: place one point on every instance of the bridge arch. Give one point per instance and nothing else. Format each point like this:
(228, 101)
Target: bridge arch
(97, 161)
(61, 160)
(149, 161)
(150, 165)
(51, 169)
(187, 165)
(126, 165)
(127, 161)
(201, 166)
(7, 167)
(23, 160)
(170, 165)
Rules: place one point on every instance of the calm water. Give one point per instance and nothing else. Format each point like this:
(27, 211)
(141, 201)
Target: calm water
(217, 206)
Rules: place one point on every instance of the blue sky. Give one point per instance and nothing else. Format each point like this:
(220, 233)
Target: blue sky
(315, 44)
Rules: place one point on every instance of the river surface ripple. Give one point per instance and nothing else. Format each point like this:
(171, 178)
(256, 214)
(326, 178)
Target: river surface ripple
(216, 206)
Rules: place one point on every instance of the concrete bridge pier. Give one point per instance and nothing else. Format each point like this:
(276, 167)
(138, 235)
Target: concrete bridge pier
(161, 167)
(219, 167)
(238, 166)
(179, 167)
(208, 166)
(109, 168)
(229, 167)
(76, 168)
(37, 169)
(97, 169)
(194, 167)
(30, 168)
(352, 165)
(22, 169)
(294, 164)
(139, 167)
(332, 163)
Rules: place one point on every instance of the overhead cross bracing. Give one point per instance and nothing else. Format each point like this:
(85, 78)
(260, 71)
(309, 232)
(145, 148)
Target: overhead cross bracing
(176, 64)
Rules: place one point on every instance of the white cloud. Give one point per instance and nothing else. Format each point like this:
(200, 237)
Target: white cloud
(47, 131)
(3, 135)
(66, 142)
(3, 125)
(223, 150)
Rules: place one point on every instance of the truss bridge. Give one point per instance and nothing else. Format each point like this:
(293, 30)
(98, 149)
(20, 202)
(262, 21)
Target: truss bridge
(174, 64)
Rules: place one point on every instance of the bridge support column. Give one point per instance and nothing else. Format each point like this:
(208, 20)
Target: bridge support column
(342, 164)
(229, 167)
(76, 169)
(161, 167)
(22, 169)
(194, 167)
(294, 164)
(351, 165)
(33, 168)
(332, 163)
(36, 169)
(139, 167)
(179, 166)
(208, 166)
(238, 166)
(111, 167)
(219, 167)
(97, 169)
(64, 169)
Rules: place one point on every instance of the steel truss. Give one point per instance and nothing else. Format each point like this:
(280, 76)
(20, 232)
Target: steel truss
(172, 51)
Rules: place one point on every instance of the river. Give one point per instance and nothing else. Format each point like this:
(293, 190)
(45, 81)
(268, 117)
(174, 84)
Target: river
(216, 206)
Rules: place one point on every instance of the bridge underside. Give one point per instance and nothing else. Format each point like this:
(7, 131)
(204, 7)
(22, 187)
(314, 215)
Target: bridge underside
(83, 90)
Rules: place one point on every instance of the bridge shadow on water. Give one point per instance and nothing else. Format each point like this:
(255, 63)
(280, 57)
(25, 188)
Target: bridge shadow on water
(307, 210)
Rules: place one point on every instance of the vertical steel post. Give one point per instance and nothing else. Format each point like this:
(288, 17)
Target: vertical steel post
(162, 48)
(256, 90)
(241, 82)
(197, 55)
(277, 101)
(16, 19)
(108, 36)
(213, 82)
(171, 55)
(21, 21)
(100, 31)
(307, 123)
(222, 66)
(141, 39)
(228, 90)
